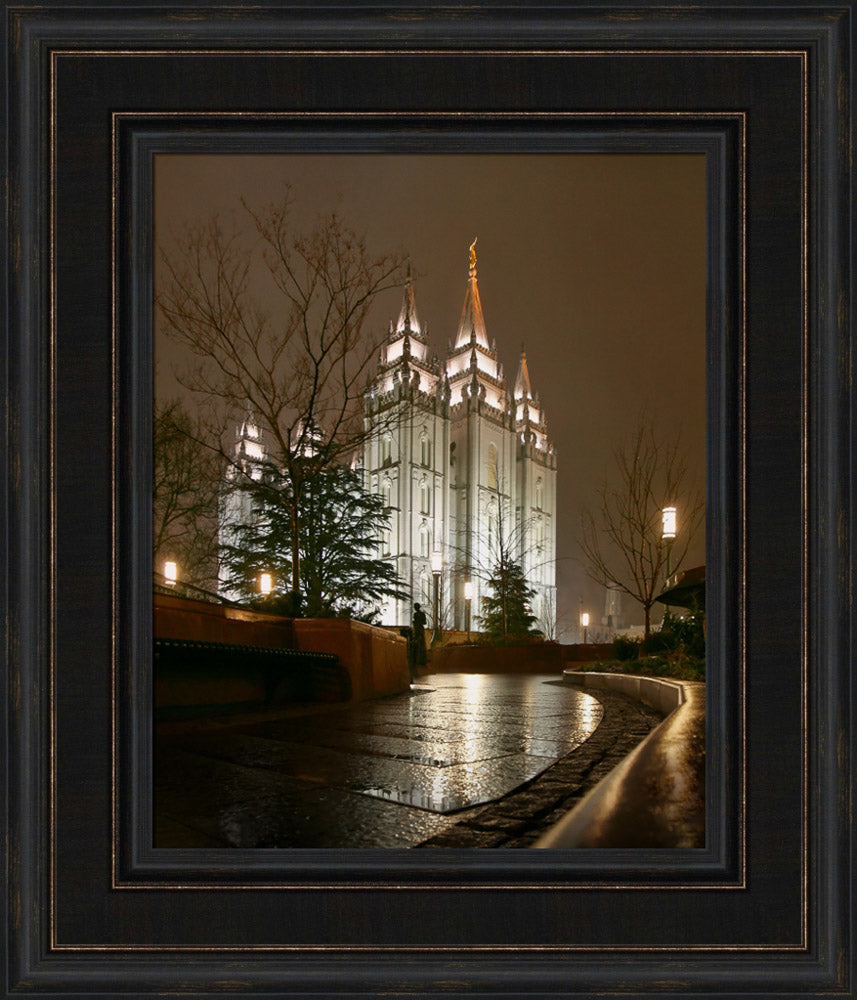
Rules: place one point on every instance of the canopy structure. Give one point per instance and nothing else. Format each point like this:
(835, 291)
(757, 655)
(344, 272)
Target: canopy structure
(685, 590)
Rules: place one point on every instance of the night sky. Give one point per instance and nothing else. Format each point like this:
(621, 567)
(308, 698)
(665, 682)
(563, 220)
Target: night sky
(595, 262)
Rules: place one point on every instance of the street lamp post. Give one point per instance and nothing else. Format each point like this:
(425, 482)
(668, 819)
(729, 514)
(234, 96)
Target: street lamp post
(436, 569)
(669, 521)
(468, 597)
(668, 533)
(584, 621)
(266, 584)
(171, 573)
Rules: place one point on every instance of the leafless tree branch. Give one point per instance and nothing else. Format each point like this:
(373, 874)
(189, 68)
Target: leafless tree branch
(300, 364)
(621, 533)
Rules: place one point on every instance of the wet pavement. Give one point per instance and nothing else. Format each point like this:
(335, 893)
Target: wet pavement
(416, 769)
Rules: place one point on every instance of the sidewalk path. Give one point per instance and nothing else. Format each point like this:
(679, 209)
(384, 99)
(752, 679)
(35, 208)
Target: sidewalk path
(464, 760)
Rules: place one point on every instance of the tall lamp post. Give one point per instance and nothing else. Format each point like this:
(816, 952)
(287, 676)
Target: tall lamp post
(669, 522)
(584, 621)
(668, 533)
(468, 597)
(436, 569)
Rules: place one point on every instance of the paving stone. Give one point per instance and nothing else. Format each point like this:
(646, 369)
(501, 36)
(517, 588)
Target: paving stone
(505, 824)
(463, 836)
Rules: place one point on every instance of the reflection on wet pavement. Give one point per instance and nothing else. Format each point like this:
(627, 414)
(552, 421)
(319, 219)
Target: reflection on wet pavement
(386, 773)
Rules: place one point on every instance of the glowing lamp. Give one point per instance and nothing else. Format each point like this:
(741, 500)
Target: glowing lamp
(171, 573)
(437, 563)
(584, 619)
(468, 597)
(669, 522)
(266, 584)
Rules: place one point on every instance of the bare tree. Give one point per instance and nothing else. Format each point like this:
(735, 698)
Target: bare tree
(621, 534)
(448, 587)
(185, 473)
(278, 326)
(506, 609)
(549, 619)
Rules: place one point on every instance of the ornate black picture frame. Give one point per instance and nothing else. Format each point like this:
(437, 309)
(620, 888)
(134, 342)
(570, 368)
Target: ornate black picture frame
(93, 94)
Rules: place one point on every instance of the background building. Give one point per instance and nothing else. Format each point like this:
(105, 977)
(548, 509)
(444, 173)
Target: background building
(465, 465)
(235, 506)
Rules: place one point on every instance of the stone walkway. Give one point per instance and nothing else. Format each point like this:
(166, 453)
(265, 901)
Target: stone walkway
(465, 760)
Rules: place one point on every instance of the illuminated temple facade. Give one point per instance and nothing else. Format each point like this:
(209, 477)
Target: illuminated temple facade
(464, 463)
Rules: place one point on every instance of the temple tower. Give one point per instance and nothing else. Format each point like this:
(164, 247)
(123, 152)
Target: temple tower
(235, 506)
(406, 411)
(465, 466)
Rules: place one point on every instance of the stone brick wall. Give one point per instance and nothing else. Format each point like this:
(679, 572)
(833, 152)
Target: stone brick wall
(181, 618)
(375, 658)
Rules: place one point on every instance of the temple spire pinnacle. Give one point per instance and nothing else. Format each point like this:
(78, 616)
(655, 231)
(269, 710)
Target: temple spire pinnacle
(408, 313)
(471, 326)
(523, 388)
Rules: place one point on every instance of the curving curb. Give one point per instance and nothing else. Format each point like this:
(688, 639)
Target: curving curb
(656, 796)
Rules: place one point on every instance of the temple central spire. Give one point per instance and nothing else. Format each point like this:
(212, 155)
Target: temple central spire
(471, 326)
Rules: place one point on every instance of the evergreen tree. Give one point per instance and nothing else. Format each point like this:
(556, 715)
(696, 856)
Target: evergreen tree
(340, 525)
(506, 611)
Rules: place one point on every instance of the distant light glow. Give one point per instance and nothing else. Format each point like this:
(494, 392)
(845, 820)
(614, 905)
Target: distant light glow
(437, 562)
(171, 573)
(584, 619)
(669, 522)
(266, 584)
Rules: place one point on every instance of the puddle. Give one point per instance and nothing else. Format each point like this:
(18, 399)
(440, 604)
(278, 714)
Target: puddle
(420, 798)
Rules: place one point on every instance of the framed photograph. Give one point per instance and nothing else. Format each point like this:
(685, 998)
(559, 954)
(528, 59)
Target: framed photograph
(470, 450)
(121, 122)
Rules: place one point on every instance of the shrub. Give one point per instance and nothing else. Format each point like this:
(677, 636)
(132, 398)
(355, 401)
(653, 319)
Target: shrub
(677, 665)
(625, 648)
(658, 642)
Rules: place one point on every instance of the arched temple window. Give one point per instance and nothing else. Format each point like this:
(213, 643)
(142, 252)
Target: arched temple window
(492, 467)
(425, 450)
(425, 541)
(425, 497)
(540, 494)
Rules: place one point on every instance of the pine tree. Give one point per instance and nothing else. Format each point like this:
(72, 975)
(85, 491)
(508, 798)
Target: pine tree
(506, 611)
(340, 527)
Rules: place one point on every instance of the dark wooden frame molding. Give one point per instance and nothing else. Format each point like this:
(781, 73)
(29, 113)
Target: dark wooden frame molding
(93, 94)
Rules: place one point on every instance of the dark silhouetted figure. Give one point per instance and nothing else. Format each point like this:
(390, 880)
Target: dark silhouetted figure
(418, 639)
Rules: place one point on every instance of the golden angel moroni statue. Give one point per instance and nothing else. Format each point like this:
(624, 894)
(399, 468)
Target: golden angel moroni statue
(473, 253)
